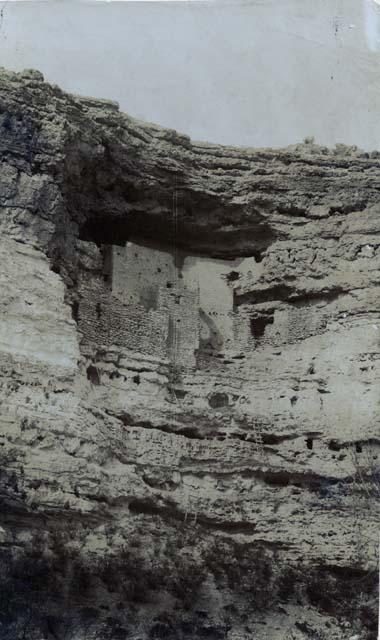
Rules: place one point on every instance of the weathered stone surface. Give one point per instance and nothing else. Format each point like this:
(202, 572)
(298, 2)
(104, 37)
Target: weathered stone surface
(189, 357)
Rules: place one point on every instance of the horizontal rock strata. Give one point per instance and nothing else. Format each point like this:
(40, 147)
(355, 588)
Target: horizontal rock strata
(189, 350)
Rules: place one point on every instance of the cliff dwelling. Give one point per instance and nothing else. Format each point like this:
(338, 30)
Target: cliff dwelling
(185, 302)
(189, 371)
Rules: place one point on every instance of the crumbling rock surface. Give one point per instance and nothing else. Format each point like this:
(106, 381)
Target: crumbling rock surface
(189, 365)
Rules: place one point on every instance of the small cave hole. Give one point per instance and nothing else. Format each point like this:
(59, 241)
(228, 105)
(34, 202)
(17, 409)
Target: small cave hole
(232, 276)
(7, 122)
(293, 400)
(218, 400)
(180, 393)
(334, 445)
(169, 285)
(309, 443)
(93, 374)
(189, 432)
(56, 268)
(269, 438)
(358, 447)
(75, 310)
(136, 379)
(258, 256)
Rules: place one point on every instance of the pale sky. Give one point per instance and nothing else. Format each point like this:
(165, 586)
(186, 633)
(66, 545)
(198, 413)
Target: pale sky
(253, 73)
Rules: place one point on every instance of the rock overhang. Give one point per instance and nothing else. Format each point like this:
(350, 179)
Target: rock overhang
(249, 422)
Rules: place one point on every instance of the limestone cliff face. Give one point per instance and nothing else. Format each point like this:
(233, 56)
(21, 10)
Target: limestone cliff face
(189, 362)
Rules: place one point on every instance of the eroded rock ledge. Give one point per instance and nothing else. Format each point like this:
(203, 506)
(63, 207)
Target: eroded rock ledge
(189, 364)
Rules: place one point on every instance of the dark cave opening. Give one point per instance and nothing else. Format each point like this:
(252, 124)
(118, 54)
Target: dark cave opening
(232, 276)
(218, 400)
(275, 292)
(334, 445)
(75, 311)
(258, 324)
(160, 230)
(93, 374)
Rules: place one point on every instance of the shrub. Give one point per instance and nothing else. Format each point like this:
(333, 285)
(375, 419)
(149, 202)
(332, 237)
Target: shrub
(245, 569)
(186, 580)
